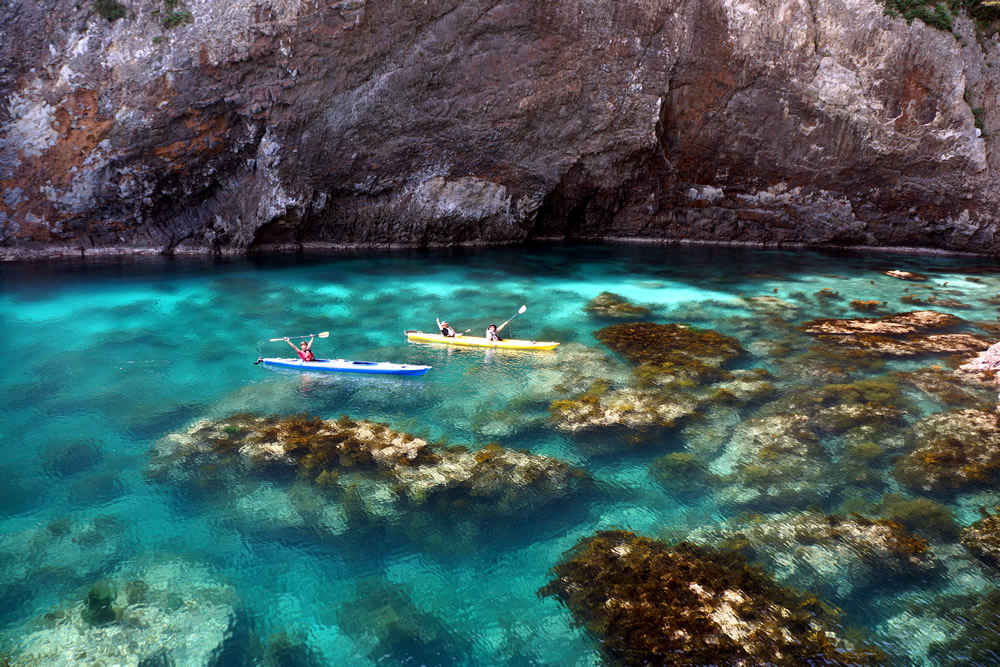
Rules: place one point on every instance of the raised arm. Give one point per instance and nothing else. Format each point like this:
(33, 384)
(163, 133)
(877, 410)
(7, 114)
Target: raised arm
(291, 343)
(310, 345)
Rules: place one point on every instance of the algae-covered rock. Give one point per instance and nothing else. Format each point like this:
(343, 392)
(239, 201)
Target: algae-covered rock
(975, 639)
(952, 452)
(682, 474)
(920, 515)
(958, 389)
(982, 539)
(905, 275)
(378, 472)
(676, 368)
(649, 603)
(173, 612)
(833, 555)
(898, 324)
(774, 462)
(902, 334)
(670, 345)
(614, 306)
(632, 407)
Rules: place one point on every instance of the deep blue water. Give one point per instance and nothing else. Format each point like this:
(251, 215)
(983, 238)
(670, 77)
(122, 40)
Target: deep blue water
(104, 357)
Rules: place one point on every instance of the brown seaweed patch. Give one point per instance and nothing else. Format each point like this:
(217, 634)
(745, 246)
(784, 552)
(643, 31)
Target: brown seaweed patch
(659, 344)
(867, 306)
(649, 603)
(932, 300)
(682, 474)
(611, 305)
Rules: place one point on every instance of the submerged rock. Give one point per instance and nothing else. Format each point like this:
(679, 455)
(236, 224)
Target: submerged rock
(953, 389)
(975, 624)
(670, 345)
(611, 305)
(905, 275)
(676, 367)
(900, 335)
(952, 452)
(899, 324)
(377, 472)
(774, 462)
(836, 556)
(982, 539)
(173, 613)
(600, 407)
(386, 624)
(650, 603)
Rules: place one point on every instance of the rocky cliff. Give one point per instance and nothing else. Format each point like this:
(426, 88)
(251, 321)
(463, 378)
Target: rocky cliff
(203, 125)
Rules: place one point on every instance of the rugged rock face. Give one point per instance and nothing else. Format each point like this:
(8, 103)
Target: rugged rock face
(486, 121)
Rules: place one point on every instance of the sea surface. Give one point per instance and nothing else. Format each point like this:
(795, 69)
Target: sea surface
(104, 358)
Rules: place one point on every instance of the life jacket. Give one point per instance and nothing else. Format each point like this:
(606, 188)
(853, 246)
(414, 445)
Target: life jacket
(447, 331)
(306, 355)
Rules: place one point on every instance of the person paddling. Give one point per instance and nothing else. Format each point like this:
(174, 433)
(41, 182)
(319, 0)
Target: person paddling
(492, 335)
(305, 351)
(446, 330)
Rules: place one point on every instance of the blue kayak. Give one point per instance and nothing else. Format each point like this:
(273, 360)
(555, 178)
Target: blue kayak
(346, 366)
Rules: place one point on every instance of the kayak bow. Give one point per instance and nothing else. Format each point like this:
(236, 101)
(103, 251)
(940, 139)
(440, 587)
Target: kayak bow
(346, 366)
(476, 341)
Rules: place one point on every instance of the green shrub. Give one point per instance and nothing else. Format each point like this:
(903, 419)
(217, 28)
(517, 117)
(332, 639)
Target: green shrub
(174, 19)
(979, 114)
(109, 10)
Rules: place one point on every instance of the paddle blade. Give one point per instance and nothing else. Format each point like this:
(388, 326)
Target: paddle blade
(325, 334)
(521, 310)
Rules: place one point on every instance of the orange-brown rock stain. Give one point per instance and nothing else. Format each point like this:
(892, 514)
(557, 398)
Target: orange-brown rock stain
(81, 129)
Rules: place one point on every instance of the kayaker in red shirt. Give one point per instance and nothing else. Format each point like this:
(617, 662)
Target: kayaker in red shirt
(305, 352)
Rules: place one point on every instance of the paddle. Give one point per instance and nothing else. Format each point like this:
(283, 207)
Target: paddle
(519, 311)
(325, 334)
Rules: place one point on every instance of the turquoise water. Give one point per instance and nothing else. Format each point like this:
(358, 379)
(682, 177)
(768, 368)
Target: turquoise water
(105, 357)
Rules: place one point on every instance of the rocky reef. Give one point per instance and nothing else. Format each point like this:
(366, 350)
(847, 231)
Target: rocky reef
(923, 332)
(613, 306)
(830, 554)
(649, 603)
(375, 474)
(167, 613)
(982, 539)
(952, 452)
(676, 369)
(146, 125)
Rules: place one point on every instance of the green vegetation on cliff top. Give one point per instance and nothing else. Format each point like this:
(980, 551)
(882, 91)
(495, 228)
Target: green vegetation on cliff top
(941, 15)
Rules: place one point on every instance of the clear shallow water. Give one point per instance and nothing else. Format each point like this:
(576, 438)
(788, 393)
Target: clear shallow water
(105, 357)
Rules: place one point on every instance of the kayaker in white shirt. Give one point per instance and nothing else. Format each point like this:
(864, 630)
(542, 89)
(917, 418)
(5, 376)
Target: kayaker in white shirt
(446, 330)
(492, 334)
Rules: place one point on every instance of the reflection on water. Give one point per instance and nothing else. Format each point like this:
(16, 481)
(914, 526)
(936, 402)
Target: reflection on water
(845, 460)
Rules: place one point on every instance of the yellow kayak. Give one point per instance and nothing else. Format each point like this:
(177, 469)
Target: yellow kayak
(476, 341)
